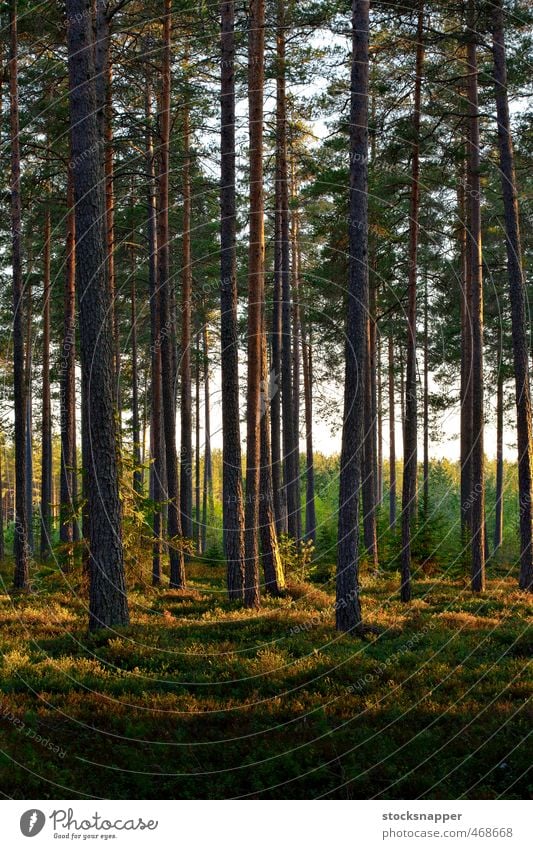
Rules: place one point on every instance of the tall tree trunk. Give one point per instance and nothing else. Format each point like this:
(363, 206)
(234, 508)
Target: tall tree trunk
(21, 550)
(517, 295)
(466, 356)
(402, 392)
(369, 464)
(380, 424)
(392, 437)
(256, 270)
(290, 469)
(232, 489)
(295, 287)
(348, 608)
(476, 306)
(135, 419)
(197, 534)
(107, 592)
(156, 440)
(270, 554)
(46, 426)
(498, 513)
(185, 466)
(2, 516)
(67, 384)
(185, 359)
(104, 100)
(207, 496)
(174, 526)
(410, 438)
(280, 213)
(310, 512)
(426, 404)
(29, 413)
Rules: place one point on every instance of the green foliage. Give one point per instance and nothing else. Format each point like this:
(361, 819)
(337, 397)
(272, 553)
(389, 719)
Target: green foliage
(296, 558)
(176, 676)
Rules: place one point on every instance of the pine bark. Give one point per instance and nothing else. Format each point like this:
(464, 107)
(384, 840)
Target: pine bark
(207, 494)
(174, 526)
(68, 383)
(197, 518)
(425, 424)
(466, 355)
(20, 545)
(107, 591)
(310, 512)
(290, 452)
(517, 294)
(410, 429)
(46, 419)
(348, 608)
(232, 495)
(135, 418)
(392, 437)
(477, 494)
(156, 440)
(270, 554)
(280, 211)
(498, 511)
(256, 270)
(185, 354)
(296, 370)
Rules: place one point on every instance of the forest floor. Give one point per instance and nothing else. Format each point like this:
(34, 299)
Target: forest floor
(197, 699)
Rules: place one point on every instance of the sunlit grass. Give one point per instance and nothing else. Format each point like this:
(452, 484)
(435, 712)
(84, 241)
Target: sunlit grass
(198, 698)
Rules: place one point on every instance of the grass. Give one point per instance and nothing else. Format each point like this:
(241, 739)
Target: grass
(198, 699)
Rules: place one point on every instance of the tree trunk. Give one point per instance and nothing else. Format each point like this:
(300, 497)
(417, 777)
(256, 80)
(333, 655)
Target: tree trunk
(67, 384)
(207, 496)
(498, 516)
(369, 464)
(174, 526)
(517, 293)
(466, 355)
(310, 513)
(2, 539)
(103, 81)
(295, 287)
(46, 426)
(107, 593)
(29, 445)
(410, 430)
(197, 534)
(426, 405)
(477, 494)
(270, 554)
(380, 424)
(185, 358)
(392, 437)
(232, 495)
(21, 550)
(280, 213)
(135, 419)
(256, 270)
(290, 454)
(156, 441)
(348, 608)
